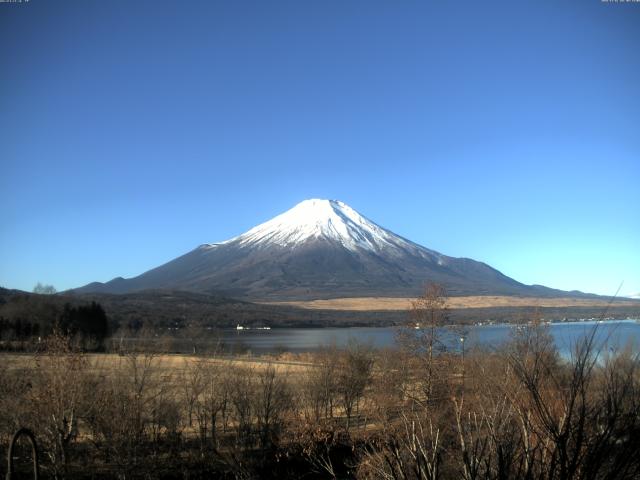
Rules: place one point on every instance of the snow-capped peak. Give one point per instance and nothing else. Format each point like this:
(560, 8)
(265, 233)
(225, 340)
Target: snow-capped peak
(322, 219)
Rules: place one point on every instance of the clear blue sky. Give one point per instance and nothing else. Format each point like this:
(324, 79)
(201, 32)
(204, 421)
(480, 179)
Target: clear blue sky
(133, 131)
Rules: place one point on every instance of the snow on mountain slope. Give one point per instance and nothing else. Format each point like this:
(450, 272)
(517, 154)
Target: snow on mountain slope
(330, 220)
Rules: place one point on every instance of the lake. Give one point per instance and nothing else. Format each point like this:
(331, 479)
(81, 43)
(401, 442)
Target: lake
(611, 334)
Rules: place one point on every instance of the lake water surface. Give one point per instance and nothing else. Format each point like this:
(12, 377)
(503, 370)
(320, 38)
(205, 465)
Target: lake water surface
(609, 335)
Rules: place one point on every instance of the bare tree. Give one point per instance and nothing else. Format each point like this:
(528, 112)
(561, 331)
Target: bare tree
(354, 375)
(389, 384)
(133, 404)
(44, 289)
(206, 395)
(319, 385)
(413, 450)
(192, 382)
(422, 339)
(272, 400)
(57, 397)
(241, 391)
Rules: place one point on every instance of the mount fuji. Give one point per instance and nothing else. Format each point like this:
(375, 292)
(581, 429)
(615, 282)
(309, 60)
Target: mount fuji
(320, 249)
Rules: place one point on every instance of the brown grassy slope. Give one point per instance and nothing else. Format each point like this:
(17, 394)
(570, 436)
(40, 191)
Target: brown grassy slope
(388, 303)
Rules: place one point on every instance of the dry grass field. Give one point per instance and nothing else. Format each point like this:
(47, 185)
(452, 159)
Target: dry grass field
(394, 304)
(165, 364)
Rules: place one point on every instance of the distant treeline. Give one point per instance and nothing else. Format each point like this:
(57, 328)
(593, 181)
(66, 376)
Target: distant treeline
(27, 317)
(84, 320)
